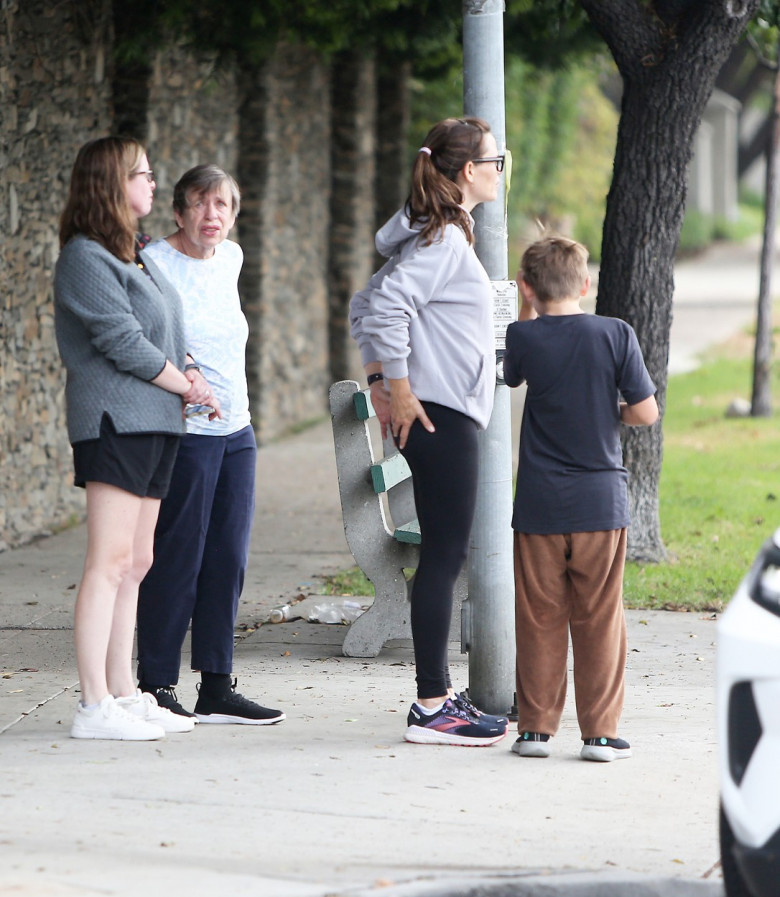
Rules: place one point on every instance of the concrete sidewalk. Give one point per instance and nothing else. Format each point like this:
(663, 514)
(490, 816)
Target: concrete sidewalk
(332, 801)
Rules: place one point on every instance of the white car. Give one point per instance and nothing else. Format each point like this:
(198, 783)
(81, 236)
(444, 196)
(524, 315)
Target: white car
(748, 699)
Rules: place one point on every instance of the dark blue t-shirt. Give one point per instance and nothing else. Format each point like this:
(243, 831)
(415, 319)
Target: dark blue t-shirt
(570, 476)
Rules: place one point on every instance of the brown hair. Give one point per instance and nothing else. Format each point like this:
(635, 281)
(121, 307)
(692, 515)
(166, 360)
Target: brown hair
(97, 203)
(435, 199)
(204, 179)
(555, 268)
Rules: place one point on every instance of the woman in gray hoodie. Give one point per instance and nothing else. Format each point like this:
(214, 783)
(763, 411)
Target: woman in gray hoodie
(424, 327)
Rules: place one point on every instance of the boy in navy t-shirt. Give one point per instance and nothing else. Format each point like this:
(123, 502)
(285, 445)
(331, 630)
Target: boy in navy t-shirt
(585, 374)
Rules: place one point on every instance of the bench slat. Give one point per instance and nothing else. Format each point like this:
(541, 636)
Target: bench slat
(408, 533)
(363, 407)
(389, 472)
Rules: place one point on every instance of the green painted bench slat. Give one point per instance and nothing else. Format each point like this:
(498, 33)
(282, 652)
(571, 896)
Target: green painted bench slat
(389, 472)
(409, 533)
(363, 407)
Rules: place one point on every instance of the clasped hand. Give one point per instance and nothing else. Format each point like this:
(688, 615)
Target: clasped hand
(201, 393)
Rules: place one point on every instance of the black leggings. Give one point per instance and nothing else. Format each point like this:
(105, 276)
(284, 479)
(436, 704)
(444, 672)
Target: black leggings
(444, 469)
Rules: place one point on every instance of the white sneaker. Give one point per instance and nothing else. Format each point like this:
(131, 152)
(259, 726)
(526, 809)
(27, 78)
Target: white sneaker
(111, 721)
(144, 706)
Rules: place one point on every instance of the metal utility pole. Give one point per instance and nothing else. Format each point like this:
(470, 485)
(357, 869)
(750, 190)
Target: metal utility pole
(488, 614)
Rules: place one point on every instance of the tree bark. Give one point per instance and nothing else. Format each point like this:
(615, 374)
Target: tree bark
(761, 401)
(392, 133)
(252, 163)
(353, 110)
(129, 82)
(668, 66)
(754, 148)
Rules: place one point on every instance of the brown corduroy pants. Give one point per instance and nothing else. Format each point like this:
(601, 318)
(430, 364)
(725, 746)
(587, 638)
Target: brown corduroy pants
(570, 583)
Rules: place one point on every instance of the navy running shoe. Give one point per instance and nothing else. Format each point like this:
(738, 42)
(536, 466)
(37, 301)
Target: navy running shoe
(461, 700)
(451, 725)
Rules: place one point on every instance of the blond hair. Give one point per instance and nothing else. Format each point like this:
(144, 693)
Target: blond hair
(555, 268)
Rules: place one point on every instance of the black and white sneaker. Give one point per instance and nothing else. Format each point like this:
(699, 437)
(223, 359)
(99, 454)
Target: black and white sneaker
(604, 750)
(230, 707)
(532, 744)
(166, 697)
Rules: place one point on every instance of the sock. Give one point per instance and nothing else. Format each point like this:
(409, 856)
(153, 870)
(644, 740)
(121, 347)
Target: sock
(429, 711)
(89, 706)
(216, 683)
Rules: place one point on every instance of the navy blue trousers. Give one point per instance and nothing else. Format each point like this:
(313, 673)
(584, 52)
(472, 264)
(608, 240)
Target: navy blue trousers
(201, 548)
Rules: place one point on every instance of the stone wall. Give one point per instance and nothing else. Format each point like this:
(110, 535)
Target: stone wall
(192, 120)
(270, 128)
(54, 93)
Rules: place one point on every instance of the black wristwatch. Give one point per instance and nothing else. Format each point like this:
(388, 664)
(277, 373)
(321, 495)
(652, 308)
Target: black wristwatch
(372, 378)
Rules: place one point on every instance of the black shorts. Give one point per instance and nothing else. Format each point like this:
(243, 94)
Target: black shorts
(140, 463)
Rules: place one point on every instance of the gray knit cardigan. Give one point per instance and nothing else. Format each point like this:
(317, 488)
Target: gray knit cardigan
(116, 326)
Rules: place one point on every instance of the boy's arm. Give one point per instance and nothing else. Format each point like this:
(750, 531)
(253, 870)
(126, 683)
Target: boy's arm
(643, 414)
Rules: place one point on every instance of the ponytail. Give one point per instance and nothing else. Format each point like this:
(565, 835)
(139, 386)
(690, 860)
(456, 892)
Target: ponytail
(435, 198)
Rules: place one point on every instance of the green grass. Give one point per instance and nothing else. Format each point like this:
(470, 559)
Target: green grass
(719, 491)
(347, 583)
(719, 494)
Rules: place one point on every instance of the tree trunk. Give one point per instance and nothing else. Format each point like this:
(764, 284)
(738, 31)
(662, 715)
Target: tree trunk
(392, 133)
(668, 68)
(732, 73)
(252, 163)
(283, 168)
(755, 147)
(353, 110)
(761, 401)
(129, 81)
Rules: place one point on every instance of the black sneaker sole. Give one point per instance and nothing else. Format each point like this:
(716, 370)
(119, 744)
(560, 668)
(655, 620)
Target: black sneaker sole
(225, 719)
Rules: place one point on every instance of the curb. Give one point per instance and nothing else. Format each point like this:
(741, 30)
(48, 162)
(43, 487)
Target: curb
(575, 884)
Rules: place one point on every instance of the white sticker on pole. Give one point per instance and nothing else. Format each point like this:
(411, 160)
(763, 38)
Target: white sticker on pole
(504, 308)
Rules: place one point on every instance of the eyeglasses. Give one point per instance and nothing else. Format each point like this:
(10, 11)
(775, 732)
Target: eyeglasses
(499, 160)
(149, 175)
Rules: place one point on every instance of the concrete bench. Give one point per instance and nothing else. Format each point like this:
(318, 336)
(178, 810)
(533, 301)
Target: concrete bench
(381, 550)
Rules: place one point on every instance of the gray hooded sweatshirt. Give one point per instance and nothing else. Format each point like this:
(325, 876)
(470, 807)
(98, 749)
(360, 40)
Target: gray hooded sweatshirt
(427, 315)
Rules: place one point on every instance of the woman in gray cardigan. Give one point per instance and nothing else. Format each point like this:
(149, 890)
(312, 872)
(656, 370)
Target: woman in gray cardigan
(120, 335)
